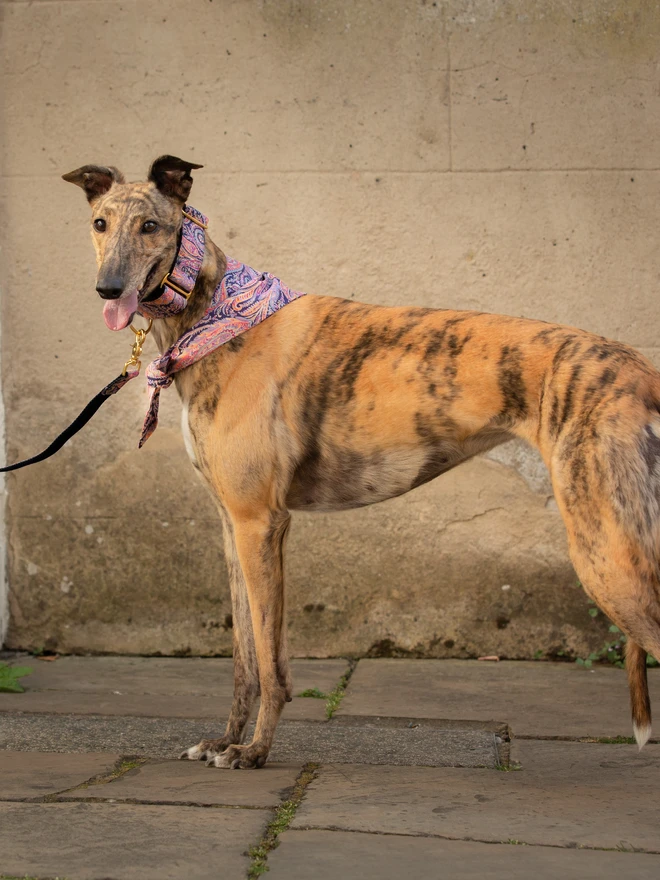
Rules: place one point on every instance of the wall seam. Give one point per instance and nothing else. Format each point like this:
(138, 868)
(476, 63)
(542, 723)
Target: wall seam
(4, 587)
(449, 92)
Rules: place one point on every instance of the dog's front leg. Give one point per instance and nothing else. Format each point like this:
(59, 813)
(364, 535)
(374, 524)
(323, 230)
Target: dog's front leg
(246, 674)
(259, 540)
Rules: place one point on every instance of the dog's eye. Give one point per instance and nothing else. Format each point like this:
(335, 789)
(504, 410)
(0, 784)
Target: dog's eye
(149, 226)
(99, 225)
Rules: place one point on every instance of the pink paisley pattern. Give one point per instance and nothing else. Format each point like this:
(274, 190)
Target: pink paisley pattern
(242, 300)
(186, 269)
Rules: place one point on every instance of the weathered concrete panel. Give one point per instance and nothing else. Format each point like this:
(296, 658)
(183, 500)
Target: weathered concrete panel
(335, 172)
(546, 84)
(249, 85)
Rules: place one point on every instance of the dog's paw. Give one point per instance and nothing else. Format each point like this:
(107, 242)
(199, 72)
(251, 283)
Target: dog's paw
(247, 757)
(205, 750)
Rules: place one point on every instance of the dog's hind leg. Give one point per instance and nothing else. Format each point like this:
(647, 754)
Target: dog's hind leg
(246, 674)
(631, 602)
(259, 539)
(609, 508)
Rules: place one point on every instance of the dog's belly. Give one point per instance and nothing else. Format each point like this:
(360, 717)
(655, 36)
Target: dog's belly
(342, 479)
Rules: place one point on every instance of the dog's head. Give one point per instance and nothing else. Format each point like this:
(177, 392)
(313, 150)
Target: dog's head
(135, 230)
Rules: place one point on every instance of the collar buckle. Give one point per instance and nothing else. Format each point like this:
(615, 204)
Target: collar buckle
(167, 282)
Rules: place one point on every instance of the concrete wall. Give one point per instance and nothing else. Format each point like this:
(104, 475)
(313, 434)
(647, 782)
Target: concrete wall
(494, 155)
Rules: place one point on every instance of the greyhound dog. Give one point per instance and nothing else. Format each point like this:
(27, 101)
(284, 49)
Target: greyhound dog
(332, 404)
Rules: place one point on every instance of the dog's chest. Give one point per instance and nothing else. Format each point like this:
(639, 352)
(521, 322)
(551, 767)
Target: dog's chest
(187, 434)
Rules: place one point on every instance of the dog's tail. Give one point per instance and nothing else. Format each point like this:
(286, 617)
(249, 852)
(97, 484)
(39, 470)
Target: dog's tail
(640, 702)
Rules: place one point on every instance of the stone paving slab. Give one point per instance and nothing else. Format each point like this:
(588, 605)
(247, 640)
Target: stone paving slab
(536, 699)
(30, 774)
(184, 782)
(123, 842)
(168, 687)
(567, 794)
(295, 741)
(327, 855)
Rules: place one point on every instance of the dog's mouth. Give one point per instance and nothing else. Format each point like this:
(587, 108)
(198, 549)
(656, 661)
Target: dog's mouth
(148, 287)
(118, 313)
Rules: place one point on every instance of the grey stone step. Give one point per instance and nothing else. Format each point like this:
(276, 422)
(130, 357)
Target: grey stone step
(536, 699)
(327, 855)
(25, 775)
(566, 794)
(295, 741)
(96, 841)
(83, 776)
(167, 687)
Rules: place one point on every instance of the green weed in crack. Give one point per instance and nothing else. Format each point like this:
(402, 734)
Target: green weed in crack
(314, 693)
(336, 695)
(123, 766)
(279, 823)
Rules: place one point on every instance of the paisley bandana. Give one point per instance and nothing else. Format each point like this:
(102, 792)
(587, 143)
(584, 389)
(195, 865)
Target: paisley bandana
(243, 299)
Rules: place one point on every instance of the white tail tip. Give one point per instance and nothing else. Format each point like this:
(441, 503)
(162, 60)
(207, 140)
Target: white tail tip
(642, 734)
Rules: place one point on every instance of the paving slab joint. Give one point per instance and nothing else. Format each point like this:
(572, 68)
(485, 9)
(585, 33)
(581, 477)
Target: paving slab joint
(603, 740)
(622, 847)
(141, 802)
(337, 694)
(124, 765)
(282, 818)
(26, 877)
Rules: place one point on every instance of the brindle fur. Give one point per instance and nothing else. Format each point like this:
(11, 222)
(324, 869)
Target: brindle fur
(330, 405)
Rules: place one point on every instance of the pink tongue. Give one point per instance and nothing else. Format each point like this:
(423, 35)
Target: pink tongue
(117, 313)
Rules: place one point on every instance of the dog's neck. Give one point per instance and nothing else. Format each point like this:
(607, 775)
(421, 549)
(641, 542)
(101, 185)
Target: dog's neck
(166, 331)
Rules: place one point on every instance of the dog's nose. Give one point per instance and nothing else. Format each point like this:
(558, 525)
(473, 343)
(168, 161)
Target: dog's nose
(110, 288)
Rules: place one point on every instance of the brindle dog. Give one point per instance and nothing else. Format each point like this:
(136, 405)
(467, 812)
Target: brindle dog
(331, 404)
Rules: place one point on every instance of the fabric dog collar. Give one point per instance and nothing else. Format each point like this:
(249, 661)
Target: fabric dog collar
(179, 282)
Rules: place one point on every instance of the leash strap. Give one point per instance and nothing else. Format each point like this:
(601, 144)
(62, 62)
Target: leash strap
(79, 422)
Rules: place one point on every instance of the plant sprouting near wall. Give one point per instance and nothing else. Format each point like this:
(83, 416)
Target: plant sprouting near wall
(10, 675)
(612, 651)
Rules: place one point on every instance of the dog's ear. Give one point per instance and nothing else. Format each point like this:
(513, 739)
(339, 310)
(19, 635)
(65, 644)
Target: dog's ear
(94, 179)
(172, 176)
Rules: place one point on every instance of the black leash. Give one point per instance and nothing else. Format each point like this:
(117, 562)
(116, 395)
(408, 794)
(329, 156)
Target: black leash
(130, 371)
(79, 422)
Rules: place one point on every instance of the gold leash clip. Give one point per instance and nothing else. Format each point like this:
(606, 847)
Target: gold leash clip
(136, 351)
